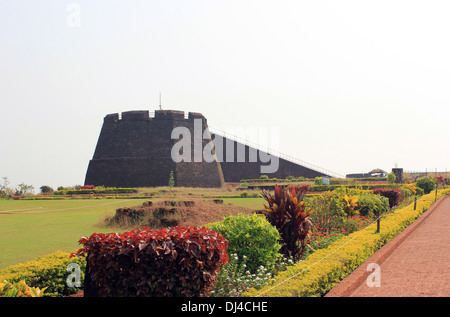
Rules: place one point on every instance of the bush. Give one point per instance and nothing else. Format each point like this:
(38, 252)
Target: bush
(87, 187)
(46, 189)
(391, 178)
(250, 236)
(370, 204)
(411, 187)
(427, 184)
(318, 181)
(180, 261)
(420, 191)
(48, 271)
(393, 195)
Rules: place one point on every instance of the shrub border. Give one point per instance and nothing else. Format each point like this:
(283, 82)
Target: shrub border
(325, 268)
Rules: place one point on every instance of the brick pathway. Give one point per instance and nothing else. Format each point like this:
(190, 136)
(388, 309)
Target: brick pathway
(416, 263)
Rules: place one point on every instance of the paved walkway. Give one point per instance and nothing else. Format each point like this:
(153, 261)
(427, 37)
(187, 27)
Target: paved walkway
(416, 263)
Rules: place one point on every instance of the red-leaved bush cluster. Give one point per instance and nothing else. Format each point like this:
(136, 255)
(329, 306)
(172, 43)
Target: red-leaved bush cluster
(87, 187)
(180, 261)
(392, 194)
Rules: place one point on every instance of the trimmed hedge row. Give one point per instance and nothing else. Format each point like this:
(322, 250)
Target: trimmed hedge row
(47, 271)
(179, 261)
(96, 191)
(83, 197)
(322, 188)
(325, 268)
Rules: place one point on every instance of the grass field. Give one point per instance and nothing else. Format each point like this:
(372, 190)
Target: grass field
(29, 229)
(252, 203)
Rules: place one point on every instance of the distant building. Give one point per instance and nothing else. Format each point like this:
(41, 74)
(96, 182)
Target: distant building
(373, 173)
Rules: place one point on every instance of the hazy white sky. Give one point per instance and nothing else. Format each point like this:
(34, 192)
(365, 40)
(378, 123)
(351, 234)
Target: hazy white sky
(351, 85)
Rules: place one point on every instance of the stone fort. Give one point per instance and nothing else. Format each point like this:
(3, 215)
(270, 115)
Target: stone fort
(134, 150)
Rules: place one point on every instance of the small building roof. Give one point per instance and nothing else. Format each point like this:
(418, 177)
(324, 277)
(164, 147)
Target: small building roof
(377, 171)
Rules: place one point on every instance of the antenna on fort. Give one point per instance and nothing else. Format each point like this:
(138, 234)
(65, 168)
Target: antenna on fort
(160, 106)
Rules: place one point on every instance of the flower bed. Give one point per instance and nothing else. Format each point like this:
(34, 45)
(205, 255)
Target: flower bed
(325, 268)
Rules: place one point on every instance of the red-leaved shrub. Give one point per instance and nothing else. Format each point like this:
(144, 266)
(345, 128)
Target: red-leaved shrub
(180, 261)
(87, 187)
(392, 194)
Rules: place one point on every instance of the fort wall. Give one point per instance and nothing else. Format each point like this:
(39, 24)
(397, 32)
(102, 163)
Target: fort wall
(238, 164)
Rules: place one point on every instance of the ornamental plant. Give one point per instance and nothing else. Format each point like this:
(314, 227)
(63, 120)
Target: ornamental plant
(351, 202)
(440, 181)
(20, 289)
(180, 261)
(286, 211)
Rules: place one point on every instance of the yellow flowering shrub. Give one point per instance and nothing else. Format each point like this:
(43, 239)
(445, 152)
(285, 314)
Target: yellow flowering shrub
(48, 272)
(325, 268)
(411, 187)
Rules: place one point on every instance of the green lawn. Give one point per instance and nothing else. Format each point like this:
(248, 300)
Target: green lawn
(252, 203)
(33, 228)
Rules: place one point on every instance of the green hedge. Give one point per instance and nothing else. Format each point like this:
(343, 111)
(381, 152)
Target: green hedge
(322, 188)
(275, 180)
(325, 268)
(96, 191)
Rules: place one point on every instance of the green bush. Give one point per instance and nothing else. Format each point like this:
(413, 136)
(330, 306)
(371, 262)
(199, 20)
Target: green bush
(370, 204)
(419, 191)
(427, 184)
(391, 178)
(251, 236)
